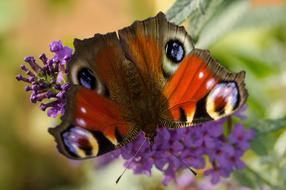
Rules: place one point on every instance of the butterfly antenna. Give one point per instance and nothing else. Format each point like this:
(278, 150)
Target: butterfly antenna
(186, 165)
(129, 162)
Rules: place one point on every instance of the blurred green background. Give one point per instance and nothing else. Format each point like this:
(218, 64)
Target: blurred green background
(244, 35)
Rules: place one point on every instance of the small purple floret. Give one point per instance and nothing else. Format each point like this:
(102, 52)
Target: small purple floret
(48, 82)
(241, 136)
(56, 46)
(61, 53)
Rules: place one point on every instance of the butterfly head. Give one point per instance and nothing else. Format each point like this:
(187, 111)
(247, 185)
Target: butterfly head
(150, 131)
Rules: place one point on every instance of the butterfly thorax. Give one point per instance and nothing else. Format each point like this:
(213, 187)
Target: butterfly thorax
(148, 109)
(140, 98)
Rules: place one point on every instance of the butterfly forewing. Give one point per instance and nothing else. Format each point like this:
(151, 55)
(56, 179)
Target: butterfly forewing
(91, 127)
(95, 113)
(202, 90)
(145, 44)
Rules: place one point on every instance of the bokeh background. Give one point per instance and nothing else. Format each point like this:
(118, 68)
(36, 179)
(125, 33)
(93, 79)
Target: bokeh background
(253, 40)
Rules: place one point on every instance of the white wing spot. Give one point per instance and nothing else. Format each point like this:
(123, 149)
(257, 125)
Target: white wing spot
(81, 122)
(201, 74)
(83, 110)
(210, 83)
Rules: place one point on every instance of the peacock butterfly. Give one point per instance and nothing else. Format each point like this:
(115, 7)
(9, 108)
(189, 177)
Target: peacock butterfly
(144, 76)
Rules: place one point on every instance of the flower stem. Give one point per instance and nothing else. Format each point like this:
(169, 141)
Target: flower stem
(229, 124)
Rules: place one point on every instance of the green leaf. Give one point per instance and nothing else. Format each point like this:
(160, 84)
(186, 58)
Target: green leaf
(245, 178)
(223, 22)
(257, 66)
(262, 145)
(280, 145)
(268, 126)
(266, 139)
(283, 175)
(260, 17)
(277, 188)
(182, 10)
(199, 17)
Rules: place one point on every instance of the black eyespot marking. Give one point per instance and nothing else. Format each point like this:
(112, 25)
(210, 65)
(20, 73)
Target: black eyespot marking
(175, 51)
(104, 144)
(201, 114)
(118, 136)
(183, 117)
(86, 78)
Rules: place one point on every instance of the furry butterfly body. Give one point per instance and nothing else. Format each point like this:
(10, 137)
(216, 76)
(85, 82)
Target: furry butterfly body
(148, 75)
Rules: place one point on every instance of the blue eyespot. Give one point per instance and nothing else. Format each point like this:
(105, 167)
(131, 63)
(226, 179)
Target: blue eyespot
(175, 51)
(86, 78)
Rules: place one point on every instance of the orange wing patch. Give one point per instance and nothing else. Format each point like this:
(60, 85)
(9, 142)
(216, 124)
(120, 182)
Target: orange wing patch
(191, 82)
(202, 90)
(97, 113)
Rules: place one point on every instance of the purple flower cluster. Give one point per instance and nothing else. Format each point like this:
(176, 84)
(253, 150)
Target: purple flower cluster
(188, 147)
(47, 83)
